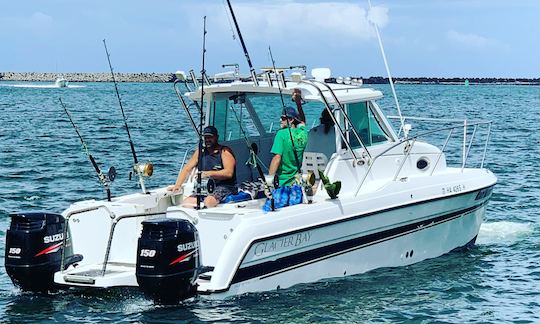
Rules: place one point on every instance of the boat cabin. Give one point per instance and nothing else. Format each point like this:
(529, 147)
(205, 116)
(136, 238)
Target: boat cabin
(246, 115)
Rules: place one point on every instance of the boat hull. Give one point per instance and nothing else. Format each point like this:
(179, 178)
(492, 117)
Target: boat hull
(334, 250)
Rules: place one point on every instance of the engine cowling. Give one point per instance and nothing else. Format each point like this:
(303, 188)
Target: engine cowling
(168, 259)
(34, 243)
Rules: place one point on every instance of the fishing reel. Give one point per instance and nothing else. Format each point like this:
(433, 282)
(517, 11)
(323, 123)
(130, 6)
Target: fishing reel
(143, 169)
(108, 178)
(272, 181)
(208, 186)
(308, 182)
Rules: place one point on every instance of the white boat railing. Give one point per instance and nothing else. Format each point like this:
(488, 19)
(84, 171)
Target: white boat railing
(410, 141)
(463, 122)
(121, 217)
(115, 220)
(342, 132)
(73, 213)
(185, 105)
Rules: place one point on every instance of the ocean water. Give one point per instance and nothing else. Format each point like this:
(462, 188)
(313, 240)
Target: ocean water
(43, 167)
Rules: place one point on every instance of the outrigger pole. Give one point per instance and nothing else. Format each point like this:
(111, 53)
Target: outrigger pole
(251, 69)
(142, 170)
(104, 179)
(201, 121)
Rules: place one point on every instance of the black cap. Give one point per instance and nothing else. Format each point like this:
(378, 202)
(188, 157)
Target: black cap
(210, 130)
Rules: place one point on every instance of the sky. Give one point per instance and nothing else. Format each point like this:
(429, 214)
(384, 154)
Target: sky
(431, 38)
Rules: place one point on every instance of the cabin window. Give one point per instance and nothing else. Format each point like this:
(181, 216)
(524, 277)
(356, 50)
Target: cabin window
(231, 118)
(269, 108)
(366, 125)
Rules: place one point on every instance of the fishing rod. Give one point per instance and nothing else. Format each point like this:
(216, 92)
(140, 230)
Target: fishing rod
(201, 121)
(251, 69)
(104, 179)
(299, 168)
(253, 150)
(144, 169)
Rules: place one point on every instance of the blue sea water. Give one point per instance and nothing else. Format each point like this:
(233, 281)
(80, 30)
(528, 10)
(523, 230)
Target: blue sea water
(42, 166)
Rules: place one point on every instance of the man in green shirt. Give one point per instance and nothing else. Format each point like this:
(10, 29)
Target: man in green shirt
(293, 124)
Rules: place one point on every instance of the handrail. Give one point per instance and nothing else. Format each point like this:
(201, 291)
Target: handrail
(185, 106)
(408, 150)
(469, 147)
(119, 218)
(442, 150)
(485, 146)
(185, 157)
(443, 120)
(346, 116)
(111, 232)
(414, 138)
(439, 120)
(67, 217)
(464, 143)
(327, 106)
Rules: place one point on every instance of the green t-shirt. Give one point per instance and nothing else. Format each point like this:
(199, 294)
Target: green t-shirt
(283, 146)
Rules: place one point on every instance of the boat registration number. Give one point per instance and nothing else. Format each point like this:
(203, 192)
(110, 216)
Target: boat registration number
(453, 189)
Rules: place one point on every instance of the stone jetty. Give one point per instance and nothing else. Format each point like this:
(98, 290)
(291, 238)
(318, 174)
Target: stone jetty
(170, 77)
(87, 77)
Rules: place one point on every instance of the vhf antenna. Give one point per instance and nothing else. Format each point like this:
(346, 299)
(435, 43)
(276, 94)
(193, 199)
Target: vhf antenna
(144, 169)
(104, 179)
(201, 121)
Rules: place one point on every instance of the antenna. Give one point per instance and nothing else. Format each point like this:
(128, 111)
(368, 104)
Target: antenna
(401, 120)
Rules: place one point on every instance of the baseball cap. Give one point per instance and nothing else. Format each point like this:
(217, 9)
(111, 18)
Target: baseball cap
(290, 112)
(210, 130)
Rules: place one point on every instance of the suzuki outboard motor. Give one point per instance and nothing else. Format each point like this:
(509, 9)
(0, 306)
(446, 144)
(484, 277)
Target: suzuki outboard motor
(168, 259)
(34, 243)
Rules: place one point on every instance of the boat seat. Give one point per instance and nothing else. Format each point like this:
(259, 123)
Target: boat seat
(314, 161)
(322, 142)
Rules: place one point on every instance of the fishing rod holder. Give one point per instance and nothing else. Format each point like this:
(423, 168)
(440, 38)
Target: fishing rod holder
(194, 79)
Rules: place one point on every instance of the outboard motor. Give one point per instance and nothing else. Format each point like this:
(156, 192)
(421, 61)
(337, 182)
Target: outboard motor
(34, 243)
(168, 259)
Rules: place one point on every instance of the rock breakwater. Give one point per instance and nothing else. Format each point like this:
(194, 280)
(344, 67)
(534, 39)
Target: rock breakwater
(170, 77)
(87, 77)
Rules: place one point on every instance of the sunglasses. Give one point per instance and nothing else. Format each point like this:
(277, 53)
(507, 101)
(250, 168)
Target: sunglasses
(283, 117)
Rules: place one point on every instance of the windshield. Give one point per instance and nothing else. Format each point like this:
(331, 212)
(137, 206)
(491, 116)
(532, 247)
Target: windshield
(365, 123)
(255, 114)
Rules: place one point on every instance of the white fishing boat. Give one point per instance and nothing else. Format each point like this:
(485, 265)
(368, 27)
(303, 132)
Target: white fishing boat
(61, 82)
(402, 201)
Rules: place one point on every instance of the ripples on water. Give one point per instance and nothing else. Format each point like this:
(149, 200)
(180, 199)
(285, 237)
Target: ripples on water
(43, 167)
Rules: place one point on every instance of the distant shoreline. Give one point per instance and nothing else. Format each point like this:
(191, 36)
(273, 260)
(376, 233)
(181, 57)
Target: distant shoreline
(170, 77)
